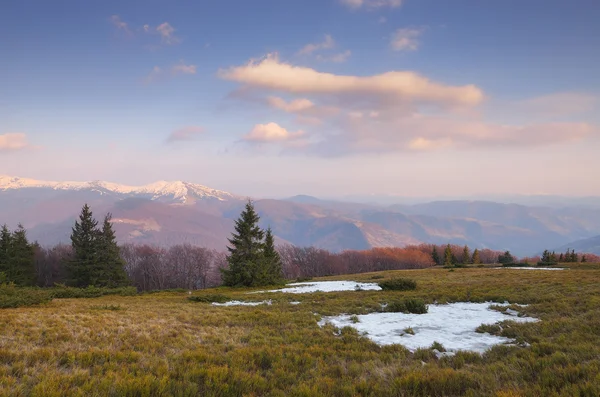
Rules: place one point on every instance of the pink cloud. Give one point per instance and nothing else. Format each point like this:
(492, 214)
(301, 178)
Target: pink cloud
(185, 134)
(12, 142)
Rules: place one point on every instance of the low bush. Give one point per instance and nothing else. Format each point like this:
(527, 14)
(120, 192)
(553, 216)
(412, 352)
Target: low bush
(213, 298)
(12, 296)
(414, 306)
(398, 284)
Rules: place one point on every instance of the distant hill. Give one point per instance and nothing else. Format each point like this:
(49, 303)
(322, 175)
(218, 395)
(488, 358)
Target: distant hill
(588, 245)
(167, 213)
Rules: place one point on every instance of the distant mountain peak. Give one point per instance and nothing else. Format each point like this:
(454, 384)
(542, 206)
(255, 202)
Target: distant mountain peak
(181, 191)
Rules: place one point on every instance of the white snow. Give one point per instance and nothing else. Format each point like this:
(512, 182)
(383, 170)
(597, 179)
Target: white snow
(453, 325)
(324, 286)
(240, 303)
(177, 189)
(531, 268)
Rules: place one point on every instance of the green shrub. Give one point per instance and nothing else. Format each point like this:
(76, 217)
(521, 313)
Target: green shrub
(213, 298)
(12, 296)
(398, 284)
(411, 305)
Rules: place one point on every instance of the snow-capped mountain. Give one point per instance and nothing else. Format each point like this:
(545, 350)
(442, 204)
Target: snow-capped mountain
(178, 191)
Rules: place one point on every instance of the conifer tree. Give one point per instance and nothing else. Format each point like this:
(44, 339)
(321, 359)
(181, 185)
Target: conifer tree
(466, 259)
(562, 258)
(435, 256)
(21, 259)
(5, 243)
(449, 259)
(476, 259)
(109, 269)
(84, 242)
(583, 259)
(246, 251)
(273, 266)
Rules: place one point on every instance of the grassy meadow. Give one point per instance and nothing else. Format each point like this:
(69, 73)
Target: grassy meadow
(162, 344)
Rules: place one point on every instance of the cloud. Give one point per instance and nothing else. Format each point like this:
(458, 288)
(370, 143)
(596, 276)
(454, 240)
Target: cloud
(185, 134)
(166, 32)
(372, 4)
(158, 73)
(182, 68)
(271, 132)
(119, 24)
(295, 106)
(12, 142)
(271, 74)
(406, 39)
(326, 44)
(336, 58)
(560, 104)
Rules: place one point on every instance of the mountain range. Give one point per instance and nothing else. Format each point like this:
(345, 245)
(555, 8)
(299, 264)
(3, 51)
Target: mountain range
(167, 213)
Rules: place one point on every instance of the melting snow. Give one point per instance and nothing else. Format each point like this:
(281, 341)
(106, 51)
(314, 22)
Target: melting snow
(452, 325)
(240, 303)
(325, 286)
(531, 268)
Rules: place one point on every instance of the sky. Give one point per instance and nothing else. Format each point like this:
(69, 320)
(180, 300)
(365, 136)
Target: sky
(273, 98)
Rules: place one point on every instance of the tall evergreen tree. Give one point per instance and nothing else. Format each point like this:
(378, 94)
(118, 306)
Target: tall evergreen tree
(109, 269)
(84, 235)
(435, 256)
(449, 259)
(466, 259)
(273, 267)
(476, 259)
(21, 259)
(246, 255)
(5, 243)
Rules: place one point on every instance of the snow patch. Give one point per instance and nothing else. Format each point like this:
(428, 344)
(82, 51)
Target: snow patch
(240, 303)
(531, 268)
(453, 325)
(325, 286)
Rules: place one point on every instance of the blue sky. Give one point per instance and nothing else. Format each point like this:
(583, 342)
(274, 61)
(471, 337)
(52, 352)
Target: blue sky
(329, 97)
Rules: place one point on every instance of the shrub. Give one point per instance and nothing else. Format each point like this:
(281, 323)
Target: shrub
(411, 305)
(398, 284)
(12, 296)
(213, 298)
(303, 279)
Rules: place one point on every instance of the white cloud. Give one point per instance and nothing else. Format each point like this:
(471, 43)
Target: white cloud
(182, 68)
(406, 39)
(167, 33)
(13, 141)
(326, 44)
(560, 104)
(295, 106)
(271, 74)
(158, 73)
(185, 134)
(120, 24)
(371, 4)
(271, 132)
(336, 58)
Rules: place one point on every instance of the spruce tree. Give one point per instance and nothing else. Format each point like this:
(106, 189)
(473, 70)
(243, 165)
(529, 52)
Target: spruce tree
(466, 259)
(562, 258)
(82, 267)
(246, 255)
(5, 243)
(273, 265)
(109, 269)
(476, 259)
(449, 259)
(21, 259)
(583, 259)
(435, 256)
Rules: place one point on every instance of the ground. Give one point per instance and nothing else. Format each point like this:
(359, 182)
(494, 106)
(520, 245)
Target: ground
(164, 344)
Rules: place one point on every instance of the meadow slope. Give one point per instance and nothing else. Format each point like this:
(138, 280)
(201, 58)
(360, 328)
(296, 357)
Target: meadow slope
(163, 344)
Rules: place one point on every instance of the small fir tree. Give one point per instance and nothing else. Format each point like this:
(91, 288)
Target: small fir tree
(476, 259)
(109, 266)
(82, 267)
(273, 265)
(449, 259)
(21, 259)
(5, 243)
(435, 256)
(466, 259)
(246, 256)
